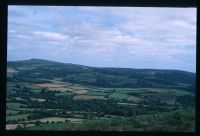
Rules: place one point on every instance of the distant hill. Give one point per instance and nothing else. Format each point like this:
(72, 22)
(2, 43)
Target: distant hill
(104, 77)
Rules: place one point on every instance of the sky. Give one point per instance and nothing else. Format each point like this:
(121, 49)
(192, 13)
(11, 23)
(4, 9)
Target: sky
(126, 37)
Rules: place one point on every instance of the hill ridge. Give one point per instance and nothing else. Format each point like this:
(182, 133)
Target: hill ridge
(45, 60)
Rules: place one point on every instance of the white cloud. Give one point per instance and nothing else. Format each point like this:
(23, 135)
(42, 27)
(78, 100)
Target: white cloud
(50, 35)
(23, 36)
(12, 31)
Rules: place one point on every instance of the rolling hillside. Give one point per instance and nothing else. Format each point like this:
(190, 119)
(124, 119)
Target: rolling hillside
(103, 77)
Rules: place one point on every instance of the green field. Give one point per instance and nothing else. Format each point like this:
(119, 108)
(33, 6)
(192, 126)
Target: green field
(97, 93)
(64, 94)
(55, 126)
(118, 96)
(11, 112)
(17, 117)
(14, 105)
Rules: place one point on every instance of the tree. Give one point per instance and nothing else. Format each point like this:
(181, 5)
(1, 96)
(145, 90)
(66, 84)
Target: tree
(43, 91)
(17, 86)
(67, 121)
(25, 124)
(19, 127)
(37, 123)
(52, 122)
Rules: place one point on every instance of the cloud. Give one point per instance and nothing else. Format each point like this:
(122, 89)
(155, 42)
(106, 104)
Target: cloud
(23, 36)
(105, 36)
(50, 35)
(12, 31)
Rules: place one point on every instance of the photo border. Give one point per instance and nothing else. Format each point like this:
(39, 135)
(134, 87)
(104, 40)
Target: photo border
(117, 3)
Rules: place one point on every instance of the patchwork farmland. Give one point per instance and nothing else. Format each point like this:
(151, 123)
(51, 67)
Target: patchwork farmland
(45, 95)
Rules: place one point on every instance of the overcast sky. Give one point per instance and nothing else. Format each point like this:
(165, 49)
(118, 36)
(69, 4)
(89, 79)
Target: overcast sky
(160, 38)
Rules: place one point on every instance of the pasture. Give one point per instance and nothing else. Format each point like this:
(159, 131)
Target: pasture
(118, 96)
(95, 93)
(161, 96)
(50, 85)
(86, 97)
(17, 117)
(14, 105)
(54, 119)
(11, 112)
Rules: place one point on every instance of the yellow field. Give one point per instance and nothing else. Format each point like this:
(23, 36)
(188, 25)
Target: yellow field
(81, 91)
(49, 85)
(14, 126)
(62, 89)
(133, 98)
(60, 86)
(55, 119)
(11, 70)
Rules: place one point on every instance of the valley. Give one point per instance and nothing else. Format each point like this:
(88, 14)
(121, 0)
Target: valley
(47, 95)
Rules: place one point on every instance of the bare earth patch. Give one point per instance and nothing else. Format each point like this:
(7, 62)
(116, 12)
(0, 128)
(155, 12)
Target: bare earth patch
(55, 119)
(12, 126)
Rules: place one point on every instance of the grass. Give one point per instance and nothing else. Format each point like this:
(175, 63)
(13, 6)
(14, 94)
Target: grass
(55, 119)
(178, 92)
(169, 101)
(35, 90)
(35, 109)
(55, 126)
(16, 117)
(64, 94)
(118, 96)
(125, 91)
(11, 111)
(14, 105)
(85, 97)
(94, 93)
(50, 85)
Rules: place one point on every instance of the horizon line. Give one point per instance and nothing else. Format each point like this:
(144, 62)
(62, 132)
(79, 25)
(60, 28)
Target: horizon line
(101, 66)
